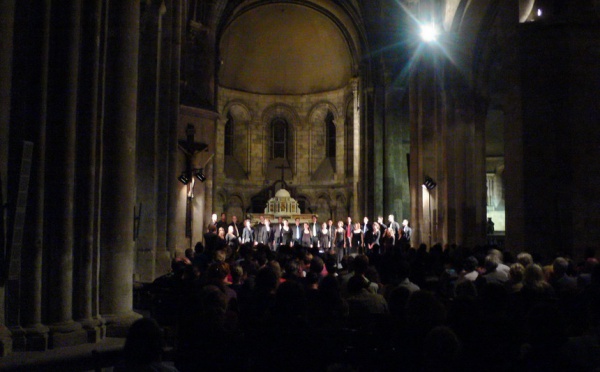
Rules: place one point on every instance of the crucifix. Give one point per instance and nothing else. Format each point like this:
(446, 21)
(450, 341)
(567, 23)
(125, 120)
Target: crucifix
(189, 147)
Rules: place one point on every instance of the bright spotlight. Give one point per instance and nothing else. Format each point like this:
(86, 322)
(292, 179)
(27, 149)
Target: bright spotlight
(429, 33)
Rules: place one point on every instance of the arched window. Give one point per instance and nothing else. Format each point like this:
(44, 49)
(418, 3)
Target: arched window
(331, 139)
(279, 139)
(229, 135)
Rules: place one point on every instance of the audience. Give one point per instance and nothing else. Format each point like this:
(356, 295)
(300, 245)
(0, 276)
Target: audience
(423, 309)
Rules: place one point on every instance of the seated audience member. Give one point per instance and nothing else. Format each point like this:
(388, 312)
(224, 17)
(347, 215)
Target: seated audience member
(501, 266)
(143, 348)
(515, 280)
(585, 277)
(219, 274)
(360, 266)
(329, 309)
(361, 301)
(469, 272)
(492, 275)
(441, 350)
(535, 288)
(206, 332)
(403, 272)
(525, 259)
(561, 281)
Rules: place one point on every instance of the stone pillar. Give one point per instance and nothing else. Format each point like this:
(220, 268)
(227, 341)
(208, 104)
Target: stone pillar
(118, 168)
(61, 160)
(514, 172)
(148, 142)
(422, 158)
(381, 154)
(7, 14)
(164, 179)
(356, 192)
(36, 334)
(86, 254)
(173, 229)
(394, 161)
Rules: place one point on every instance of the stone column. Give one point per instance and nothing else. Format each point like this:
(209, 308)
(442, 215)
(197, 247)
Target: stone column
(514, 174)
(163, 112)
(36, 334)
(118, 168)
(86, 254)
(147, 142)
(7, 14)
(174, 186)
(61, 160)
(422, 159)
(357, 195)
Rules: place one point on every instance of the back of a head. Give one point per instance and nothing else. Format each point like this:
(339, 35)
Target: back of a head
(524, 259)
(491, 263)
(189, 254)
(290, 299)
(466, 288)
(424, 311)
(348, 263)
(144, 341)
(356, 284)
(266, 280)
(330, 287)
(403, 270)
(596, 276)
(534, 276)
(276, 268)
(560, 266)
(496, 253)
(517, 272)
(237, 271)
(397, 300)
(218, 271)
(470, 264)
(442, 348)
(316, 265)
(361, 263)
(589, 265)
(213, 303)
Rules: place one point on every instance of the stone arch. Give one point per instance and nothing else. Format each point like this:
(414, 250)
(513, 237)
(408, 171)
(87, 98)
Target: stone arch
(239, 110)
(319, 110)
(321, 164)
(304, 204)
(237, 142)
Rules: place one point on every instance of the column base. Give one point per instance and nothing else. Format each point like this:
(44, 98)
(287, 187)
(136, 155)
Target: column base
(65, 334)
(6, 342)
(95, 329)
(18, 340)
(118, 325)
(36, 337)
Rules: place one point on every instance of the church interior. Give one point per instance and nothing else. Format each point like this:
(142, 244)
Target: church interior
(124, 125)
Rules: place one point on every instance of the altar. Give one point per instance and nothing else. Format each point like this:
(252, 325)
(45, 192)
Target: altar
(284, 206)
